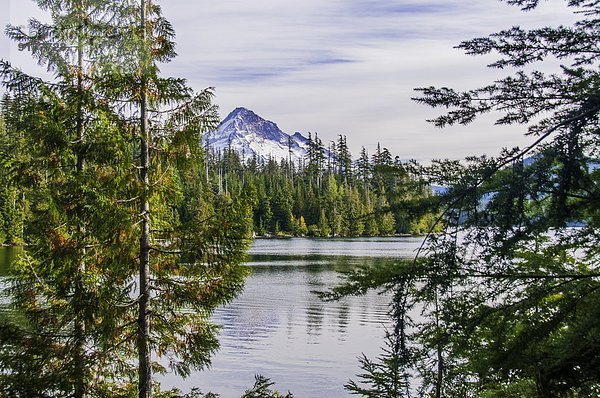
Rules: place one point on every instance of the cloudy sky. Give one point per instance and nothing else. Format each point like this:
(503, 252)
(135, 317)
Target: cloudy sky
(339, 66)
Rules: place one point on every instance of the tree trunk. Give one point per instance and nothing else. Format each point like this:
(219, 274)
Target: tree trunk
(79, 332)
(440, 357)
(143, 344)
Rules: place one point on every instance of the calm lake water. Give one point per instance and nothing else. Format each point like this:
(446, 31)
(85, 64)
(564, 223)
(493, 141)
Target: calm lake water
(279, 328)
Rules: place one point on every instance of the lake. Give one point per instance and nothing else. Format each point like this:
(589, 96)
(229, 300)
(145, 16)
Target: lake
(279, 328)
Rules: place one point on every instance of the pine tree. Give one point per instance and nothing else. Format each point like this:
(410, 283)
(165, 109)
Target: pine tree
(527, 291)
(323, 227)
(13, 206)
(364, 168)
(63, 172)
(95, 219)
(344, 159)
(193, 266)
(509, 289)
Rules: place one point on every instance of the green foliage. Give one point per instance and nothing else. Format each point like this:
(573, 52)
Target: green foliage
(299, 226)
(72, 148)
(354, 204)
(262, 389)
(508, 290)
(428, 223)
(13, 208)
(13, 205)
(384, 377)
(371, 228)
(74, 267)
(523, 313)
(323, 229)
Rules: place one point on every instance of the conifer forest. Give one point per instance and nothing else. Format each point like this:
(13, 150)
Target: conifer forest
(132, 232)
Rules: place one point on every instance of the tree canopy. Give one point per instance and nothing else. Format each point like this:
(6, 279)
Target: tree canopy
(504, 301)
(128, 250)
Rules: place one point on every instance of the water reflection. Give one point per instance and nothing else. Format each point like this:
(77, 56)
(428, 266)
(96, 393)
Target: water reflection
(7, 255)
(278, 327)
(392, 247)
(343, 320)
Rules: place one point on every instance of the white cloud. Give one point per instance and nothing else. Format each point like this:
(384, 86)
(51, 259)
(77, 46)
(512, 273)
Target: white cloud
(348, 66)
(344, 66)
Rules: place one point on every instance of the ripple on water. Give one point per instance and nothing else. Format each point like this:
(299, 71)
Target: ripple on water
(279, 328)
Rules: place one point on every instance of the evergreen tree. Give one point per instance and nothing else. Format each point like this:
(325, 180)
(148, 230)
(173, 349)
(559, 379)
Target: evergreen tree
(313, 206)
(282, 210)
(509, 289)
(193, 266)
(344, 159)
(93, 223)
(333, 206)
(299, 226)
(352, 218)
(13, 206)
(12, 201)
(385, 219)
(364, 168)
(526, 290)
(371, 228)
(70, 159)
(323, 227)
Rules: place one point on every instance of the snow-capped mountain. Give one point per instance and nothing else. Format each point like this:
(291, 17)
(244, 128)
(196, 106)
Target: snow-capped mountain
(249, 135)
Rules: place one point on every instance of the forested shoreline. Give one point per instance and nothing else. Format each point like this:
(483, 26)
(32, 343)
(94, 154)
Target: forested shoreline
(325, 194)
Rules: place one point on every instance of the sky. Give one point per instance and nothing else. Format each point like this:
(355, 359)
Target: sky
(339, 66)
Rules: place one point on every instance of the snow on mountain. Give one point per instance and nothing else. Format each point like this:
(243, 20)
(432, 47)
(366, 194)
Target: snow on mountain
(249, 135)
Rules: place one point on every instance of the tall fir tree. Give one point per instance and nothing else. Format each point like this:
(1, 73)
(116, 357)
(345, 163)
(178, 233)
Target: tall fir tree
(97, 224)
(64, 172)
(508, 290)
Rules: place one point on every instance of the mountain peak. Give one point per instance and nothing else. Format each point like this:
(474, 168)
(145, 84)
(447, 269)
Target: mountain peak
(241, 116)
(250, 134)
(239, 112)
(299, 137)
